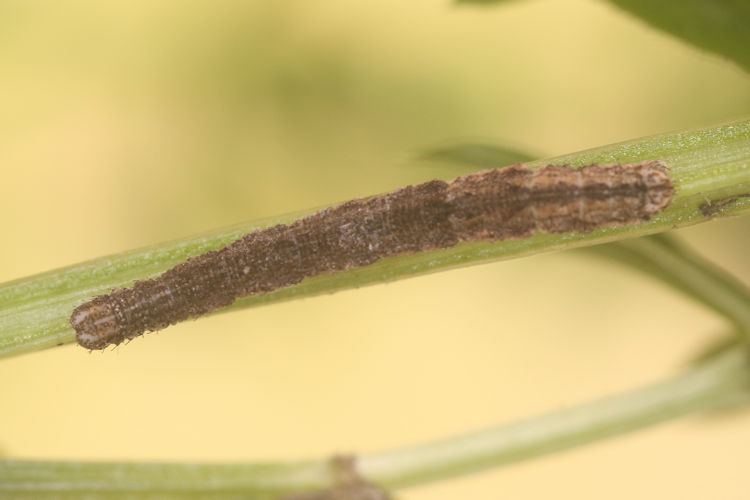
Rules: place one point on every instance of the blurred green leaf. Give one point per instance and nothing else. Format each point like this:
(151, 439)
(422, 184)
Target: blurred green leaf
(476, 155)
(716, 347)
(718, 26)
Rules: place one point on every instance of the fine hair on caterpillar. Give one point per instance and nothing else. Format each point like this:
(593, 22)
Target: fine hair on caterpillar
(493, 205)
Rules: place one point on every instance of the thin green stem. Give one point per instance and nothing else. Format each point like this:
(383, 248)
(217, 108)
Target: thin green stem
(704, 387)
(108, 480)
(662, 257)
(708, 166)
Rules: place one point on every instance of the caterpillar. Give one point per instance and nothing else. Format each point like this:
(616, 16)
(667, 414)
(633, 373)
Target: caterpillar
(492, 205)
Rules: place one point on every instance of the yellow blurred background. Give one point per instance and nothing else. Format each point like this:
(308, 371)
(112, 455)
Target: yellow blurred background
(126, 123)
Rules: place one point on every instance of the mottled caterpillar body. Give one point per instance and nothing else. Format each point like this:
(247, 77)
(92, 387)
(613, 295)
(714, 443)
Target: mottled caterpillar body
(494, 205)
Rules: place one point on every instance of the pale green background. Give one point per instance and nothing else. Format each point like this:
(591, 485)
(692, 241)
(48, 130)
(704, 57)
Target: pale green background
(126, 123)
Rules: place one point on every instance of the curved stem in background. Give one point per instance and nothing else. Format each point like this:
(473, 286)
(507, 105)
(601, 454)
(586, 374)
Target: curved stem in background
(704, 387)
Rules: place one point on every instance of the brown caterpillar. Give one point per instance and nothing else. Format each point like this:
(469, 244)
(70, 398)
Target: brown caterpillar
(493, 205)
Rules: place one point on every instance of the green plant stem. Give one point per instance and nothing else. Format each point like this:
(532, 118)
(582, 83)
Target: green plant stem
(704, 387)
(707, 165)
(108, 480)
(661, 257)
(698, 389)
